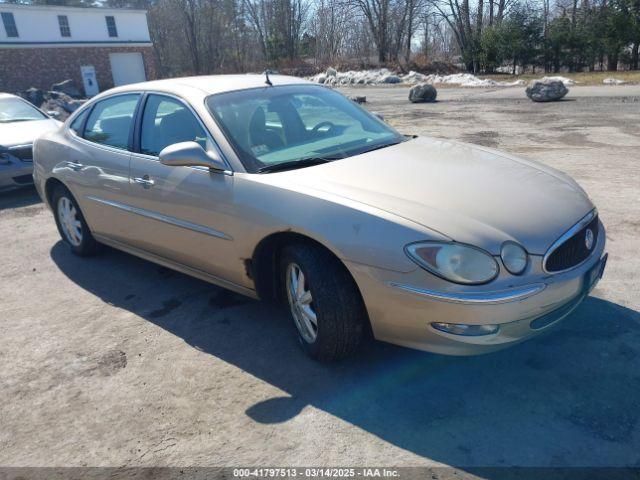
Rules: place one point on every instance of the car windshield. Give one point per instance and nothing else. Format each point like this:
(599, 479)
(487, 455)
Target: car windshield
(279, 126)
(18, 110)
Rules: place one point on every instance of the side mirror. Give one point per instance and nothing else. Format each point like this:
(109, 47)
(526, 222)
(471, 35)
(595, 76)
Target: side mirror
(53, 113)
(190, 154)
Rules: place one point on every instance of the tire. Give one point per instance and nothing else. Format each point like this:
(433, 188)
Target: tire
(81, 242)
(339, 310)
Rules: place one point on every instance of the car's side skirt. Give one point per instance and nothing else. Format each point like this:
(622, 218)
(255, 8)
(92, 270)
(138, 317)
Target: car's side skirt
(165, 262)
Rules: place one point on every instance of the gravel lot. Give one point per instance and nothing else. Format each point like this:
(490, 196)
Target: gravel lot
(114, 361)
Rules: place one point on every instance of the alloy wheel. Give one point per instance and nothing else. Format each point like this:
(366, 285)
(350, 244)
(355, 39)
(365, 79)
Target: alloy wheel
(69, 221)
(301, 303)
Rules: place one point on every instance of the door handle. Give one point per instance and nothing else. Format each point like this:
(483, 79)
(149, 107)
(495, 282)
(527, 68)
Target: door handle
(145, 181)
(76, 167)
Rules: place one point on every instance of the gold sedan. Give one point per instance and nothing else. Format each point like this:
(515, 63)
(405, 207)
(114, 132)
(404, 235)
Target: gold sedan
(283, 189)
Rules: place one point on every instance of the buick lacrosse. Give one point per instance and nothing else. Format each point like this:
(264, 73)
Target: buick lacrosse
(278, 188)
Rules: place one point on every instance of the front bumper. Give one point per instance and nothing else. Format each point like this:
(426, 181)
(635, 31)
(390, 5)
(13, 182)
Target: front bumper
(14, 172)
(402, 308)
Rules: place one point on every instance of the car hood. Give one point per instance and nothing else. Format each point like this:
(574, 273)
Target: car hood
(22, 133)
(468, 193)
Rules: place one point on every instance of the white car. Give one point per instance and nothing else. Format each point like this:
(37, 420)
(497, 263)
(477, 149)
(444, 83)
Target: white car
(20, 124)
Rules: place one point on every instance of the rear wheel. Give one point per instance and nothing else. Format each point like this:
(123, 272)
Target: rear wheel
(71, 223)
(325, 303)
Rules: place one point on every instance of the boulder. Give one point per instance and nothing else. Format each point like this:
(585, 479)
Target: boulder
(34, 95)
(546, 90)
(423, 93)
(331, 72)
(68, 87)
(359, 99)
(391, 79)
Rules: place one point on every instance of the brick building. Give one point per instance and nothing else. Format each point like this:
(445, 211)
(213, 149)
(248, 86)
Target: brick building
(97, 47)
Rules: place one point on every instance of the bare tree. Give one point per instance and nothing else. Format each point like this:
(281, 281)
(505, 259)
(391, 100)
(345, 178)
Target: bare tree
(279, 25)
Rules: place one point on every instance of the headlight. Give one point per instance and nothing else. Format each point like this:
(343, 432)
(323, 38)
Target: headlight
(454, 261)
(514, 257)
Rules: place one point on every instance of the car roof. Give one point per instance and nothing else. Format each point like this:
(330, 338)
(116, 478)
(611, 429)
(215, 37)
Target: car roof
(8, 95)
(210, 84)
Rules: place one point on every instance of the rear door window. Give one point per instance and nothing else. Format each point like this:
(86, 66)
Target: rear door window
(78, 122)
(111, 121)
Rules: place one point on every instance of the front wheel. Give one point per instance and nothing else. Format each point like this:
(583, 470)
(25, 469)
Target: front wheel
(71, 223)
(325, 303)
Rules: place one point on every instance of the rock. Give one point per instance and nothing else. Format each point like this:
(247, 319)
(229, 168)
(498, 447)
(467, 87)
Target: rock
(67, 87)
(423, 93)
(359, 99)
(65, 102)
(331, 72)
(391, 79)
(546, 90)
(34, 95)
(320, 78)
(613, 81)
(51, 106)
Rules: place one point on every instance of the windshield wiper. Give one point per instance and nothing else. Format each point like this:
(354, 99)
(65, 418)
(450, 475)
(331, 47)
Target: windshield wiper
(292, 164)
(378, 147)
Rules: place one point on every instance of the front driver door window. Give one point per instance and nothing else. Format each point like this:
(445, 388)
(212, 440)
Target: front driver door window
(167, 121)
(183, 211)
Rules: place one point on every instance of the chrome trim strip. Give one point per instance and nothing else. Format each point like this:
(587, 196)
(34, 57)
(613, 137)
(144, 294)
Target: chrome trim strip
(484, 298)
(584, 221)
(163, 218)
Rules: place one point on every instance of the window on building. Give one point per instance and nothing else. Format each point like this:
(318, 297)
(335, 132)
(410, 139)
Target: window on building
(63, 21)
(9, 24)
(111, 26)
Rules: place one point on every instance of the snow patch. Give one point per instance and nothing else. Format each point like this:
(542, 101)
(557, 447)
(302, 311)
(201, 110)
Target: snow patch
(565, 80)
(613, 81)
(353, 77)
(385, 76)
(460, 79)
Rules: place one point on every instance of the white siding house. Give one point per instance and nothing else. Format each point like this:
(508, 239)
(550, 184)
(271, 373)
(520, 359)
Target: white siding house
(41, 45)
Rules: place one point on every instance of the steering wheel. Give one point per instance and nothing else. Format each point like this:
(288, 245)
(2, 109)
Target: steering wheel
(325, 123)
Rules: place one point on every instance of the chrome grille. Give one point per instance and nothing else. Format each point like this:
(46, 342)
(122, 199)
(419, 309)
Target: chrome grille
(573, 250)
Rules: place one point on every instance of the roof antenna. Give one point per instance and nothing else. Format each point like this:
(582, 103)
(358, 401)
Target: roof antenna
(267, 81)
